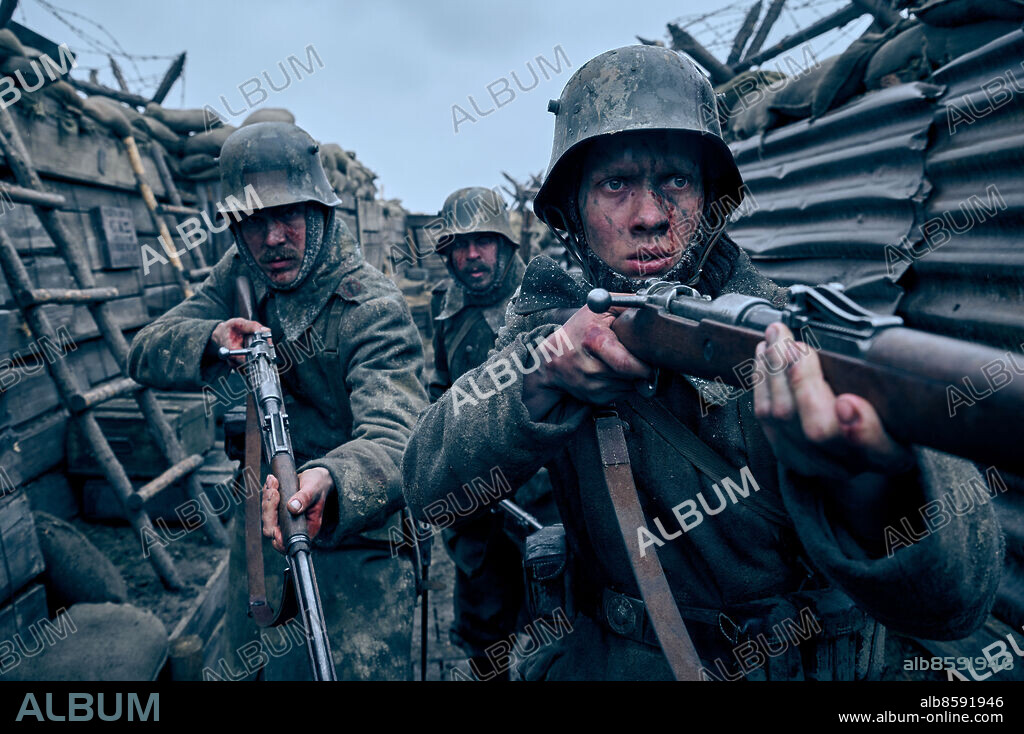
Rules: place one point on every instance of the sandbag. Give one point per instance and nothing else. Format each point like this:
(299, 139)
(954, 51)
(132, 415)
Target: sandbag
(845, 78)
(171, 141)
(184, 121)
(743, 90)
(65, 94)
(76, 570)
(337, 181)
(108, 114)
(101, 642)
(208, 143)
(9, 44)
(334, 157)
(916, 52)
(792, 101)
(953, 13)
(269, 114)
(198, 163)
(752, 119)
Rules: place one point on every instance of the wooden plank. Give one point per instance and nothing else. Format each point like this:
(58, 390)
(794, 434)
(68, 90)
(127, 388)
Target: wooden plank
(125, 429)
(28, 450)
(18, 345)
(207, 610)
(27, 609)
(21, 559)
(94, 155)
(52, 494)
(99, 502)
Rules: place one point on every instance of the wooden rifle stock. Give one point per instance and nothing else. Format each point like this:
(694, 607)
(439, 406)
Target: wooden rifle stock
(928, 389)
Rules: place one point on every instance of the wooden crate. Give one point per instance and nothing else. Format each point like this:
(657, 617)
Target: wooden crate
(21, 560)
(26, 610)
(128, 434)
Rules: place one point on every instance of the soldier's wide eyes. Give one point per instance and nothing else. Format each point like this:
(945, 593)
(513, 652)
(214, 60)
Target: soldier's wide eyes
(679, 181)
(613, 184)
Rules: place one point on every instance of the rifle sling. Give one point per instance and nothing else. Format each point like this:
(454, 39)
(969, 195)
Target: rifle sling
(259, 610)
(650, 577)
(689, 445)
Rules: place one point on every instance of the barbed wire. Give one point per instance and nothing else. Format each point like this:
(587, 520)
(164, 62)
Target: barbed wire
(97, 46)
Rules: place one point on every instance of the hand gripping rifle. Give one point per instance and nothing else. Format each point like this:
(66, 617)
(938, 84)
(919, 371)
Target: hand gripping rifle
(265, 416)
(907, 375)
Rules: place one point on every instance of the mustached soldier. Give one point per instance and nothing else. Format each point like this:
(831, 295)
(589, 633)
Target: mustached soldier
(468, 308)
(640, 185)
(351, 405)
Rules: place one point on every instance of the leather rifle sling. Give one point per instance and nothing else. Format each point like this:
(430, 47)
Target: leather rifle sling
(649, 575)
(259, 610)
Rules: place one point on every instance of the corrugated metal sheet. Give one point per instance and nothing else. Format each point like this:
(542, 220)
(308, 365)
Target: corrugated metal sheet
(829, 194)
(833, 193)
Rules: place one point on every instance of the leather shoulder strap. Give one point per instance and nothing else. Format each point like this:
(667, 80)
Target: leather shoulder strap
(649, 575)
(689, 445)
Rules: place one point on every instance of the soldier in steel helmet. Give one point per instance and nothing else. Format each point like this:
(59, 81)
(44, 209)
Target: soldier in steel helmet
(468, 308)
(351, 404)
(640, 185)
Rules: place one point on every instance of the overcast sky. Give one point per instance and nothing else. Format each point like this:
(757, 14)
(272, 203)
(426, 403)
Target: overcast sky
(392, 70)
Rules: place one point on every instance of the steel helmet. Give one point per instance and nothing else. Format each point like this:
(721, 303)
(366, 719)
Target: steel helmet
(635, 88)
(470, 211)
(280, 161)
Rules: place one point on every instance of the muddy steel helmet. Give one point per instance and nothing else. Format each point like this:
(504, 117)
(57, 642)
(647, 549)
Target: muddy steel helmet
(477, 210)
(280, 161)
(474, 210)
(634, 88)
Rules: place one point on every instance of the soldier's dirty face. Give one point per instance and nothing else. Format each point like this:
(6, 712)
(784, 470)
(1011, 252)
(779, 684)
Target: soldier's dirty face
(475, 258)
(640, 200)
(276, 237)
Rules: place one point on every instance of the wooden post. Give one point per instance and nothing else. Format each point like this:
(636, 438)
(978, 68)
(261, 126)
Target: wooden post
(161, 225)
(836, 20)
(159, 157)
(118, 75)
(169, 78)
(683, 41)
(743, 35)
(774, 11)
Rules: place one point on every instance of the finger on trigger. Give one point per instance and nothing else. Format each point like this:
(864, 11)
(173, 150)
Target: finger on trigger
(775, 361)
(815, 401)
(762, 391)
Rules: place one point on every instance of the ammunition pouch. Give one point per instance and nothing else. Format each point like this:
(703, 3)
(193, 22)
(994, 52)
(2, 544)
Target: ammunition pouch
(544, 570)
(809, 635)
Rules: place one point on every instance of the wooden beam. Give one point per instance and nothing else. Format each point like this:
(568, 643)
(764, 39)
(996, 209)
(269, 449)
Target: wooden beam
(90, 88)
(118, 75)
(836, 20)
(169, 78)
(774, 11)
(683, 41)
(743, 35)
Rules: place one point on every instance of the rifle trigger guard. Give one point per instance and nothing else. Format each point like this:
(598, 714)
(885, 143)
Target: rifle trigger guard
(647, 388)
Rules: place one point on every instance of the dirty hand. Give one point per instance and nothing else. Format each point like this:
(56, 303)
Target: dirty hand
(232, 333)
(811, 430)
(593, 365)
(314, 484)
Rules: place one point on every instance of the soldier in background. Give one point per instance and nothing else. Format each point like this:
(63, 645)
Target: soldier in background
(482, 257)
(351, 405)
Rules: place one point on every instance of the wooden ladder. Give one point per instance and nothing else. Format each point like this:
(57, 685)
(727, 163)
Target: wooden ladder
(30, 190)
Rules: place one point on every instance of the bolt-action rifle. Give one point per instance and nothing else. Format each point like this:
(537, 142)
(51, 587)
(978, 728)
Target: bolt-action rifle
(912, 378)
(266, 419)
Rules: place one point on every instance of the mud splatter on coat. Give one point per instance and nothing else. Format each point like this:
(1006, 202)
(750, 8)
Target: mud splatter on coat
(353, 391)
(941, 587)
